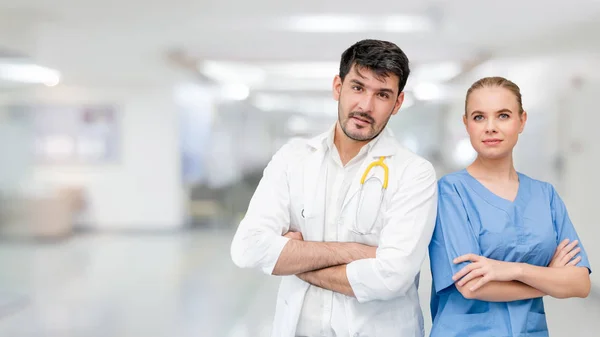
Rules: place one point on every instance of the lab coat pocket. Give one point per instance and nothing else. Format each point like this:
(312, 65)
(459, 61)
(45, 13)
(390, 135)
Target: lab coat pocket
(361, 215)
(309, 225)
(288, 306)
(378, 319)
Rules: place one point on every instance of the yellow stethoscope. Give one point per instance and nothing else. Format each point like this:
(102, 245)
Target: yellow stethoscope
(366, 217)
(386, 172)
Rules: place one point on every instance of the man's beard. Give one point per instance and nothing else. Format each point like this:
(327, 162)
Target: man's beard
(361, 138)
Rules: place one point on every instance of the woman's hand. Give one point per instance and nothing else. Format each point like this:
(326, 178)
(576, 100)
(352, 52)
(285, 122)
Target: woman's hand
(565, 253)
(486, 269)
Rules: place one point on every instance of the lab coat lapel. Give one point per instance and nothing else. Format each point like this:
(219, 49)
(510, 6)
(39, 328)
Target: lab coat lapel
(314, 194)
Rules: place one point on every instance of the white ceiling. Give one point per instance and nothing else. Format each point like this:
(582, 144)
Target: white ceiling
(107, 43)
(127, 41)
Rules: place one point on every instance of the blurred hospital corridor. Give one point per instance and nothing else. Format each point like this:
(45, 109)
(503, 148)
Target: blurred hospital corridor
(133, 135)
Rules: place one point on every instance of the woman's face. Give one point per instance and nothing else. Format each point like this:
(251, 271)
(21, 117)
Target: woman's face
(493, 121)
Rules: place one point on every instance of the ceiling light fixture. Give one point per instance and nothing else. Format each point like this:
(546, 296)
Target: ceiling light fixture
(355, 24)
(29, 73)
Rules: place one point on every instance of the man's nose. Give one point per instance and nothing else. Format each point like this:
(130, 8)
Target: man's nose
(366, 103)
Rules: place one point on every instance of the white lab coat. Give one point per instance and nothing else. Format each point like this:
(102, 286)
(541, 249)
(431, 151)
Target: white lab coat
(387, 302)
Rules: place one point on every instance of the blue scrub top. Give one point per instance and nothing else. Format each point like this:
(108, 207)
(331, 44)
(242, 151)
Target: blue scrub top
(472, 219)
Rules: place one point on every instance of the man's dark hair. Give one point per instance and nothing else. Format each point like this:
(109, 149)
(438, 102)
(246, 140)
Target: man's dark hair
(381, 57)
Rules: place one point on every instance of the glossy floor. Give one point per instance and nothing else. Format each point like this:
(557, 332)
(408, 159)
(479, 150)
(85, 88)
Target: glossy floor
(165, 285)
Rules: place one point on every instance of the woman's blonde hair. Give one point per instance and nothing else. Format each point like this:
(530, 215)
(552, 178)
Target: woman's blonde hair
(496, 81)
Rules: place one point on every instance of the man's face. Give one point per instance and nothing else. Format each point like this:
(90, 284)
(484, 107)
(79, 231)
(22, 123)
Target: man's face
(365, 102)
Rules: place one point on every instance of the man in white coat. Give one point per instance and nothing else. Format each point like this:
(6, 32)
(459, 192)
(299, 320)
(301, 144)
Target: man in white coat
(346, 217)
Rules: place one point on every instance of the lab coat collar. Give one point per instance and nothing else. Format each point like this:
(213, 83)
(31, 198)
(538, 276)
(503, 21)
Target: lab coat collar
(384, 145)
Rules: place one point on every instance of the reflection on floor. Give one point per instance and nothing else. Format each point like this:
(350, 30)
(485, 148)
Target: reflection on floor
(165, 285)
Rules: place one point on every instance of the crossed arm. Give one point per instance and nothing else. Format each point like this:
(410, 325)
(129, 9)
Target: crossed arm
(345, 267)
(374, 273)
(498, 281)
(322, 264)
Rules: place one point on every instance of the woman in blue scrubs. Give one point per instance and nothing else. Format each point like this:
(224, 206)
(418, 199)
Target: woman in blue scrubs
(502, 240)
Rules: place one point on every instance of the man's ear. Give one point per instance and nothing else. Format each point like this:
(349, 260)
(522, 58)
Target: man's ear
(337, 87)
(398, 104)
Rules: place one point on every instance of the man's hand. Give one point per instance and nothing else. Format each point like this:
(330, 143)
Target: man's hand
(294, 236)
(486, 269)
(563, 256)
